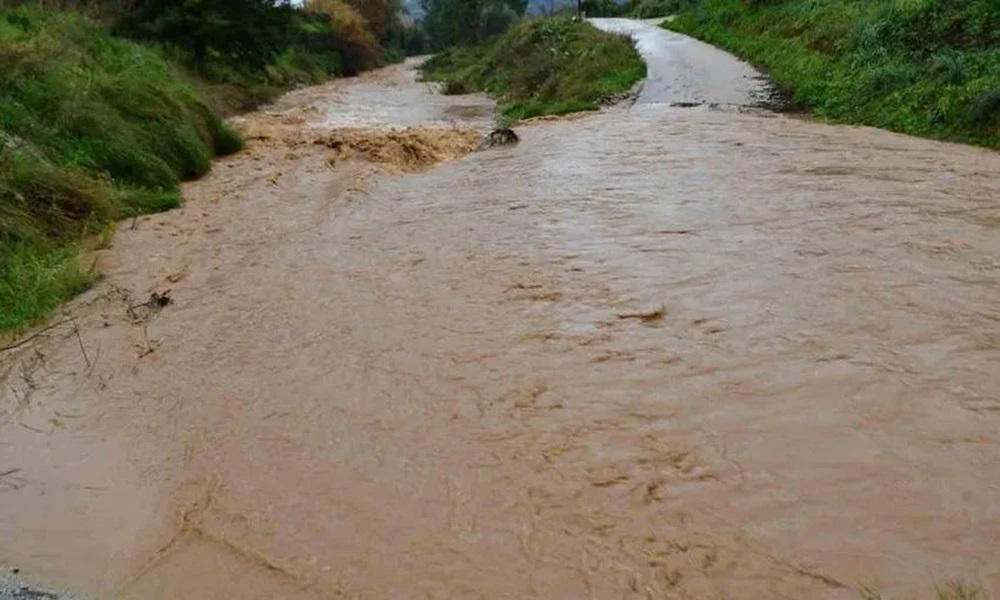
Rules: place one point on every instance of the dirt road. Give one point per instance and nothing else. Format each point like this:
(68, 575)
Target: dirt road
(654, 353)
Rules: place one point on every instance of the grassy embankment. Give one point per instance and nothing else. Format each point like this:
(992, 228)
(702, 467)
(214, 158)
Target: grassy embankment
(923, 67)
(92, 129)
(95, 127)
(542, 67)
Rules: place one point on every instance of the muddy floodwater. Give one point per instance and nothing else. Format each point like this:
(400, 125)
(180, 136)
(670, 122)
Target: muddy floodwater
(656, 352)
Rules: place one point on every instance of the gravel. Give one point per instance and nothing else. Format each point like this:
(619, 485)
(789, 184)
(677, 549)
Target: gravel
(12, 587)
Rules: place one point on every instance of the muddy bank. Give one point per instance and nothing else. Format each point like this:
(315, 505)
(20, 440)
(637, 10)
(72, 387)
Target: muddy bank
(660, 352)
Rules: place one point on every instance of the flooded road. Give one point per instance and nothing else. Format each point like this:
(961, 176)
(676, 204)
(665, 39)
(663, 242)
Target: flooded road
(659, 352)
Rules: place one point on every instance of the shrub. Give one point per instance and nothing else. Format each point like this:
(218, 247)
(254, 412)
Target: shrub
(646, 9)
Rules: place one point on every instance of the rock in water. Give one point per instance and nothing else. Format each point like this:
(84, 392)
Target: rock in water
(499, 137)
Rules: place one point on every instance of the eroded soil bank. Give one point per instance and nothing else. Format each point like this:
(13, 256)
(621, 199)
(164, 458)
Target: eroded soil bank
(654, 353)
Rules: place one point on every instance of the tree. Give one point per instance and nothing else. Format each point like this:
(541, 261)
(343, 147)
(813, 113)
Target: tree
(358, 46)
(246, 32)
(382, 15)
(600, 8)
(458, 22)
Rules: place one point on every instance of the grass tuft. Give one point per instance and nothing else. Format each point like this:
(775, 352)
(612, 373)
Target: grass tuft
(34, 282)
(958, 590)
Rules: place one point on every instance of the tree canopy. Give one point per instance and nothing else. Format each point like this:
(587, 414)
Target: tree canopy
(460, 22)
(248, 31)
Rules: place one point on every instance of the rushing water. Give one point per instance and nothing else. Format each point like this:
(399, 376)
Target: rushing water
(658, 352)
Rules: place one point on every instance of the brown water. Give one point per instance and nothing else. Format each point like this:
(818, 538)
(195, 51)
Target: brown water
(655, 353)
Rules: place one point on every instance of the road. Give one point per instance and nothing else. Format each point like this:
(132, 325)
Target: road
(658, 352)
(682, 70)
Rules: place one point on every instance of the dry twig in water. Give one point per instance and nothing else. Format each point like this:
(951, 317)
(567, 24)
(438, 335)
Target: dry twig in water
(16, 482)
(79, 339)
(150, 347)
(649, 316)
(156, 302)
(34, 335)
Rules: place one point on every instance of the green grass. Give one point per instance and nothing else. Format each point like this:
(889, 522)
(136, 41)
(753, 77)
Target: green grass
(542, 67)
(92, 129)
(923, 67)
(34, 282)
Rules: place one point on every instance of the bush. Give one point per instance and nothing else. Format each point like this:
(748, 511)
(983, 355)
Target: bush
(343, 29)
(263, 47)
(602, 8)
(985, 108)
(647, 9)
(244, 32)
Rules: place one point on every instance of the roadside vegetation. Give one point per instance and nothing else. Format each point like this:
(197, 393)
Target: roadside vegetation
(548, 66)
(103, 114)
(923, 67)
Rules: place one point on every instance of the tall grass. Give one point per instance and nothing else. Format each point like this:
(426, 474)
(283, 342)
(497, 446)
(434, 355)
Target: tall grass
(34, 282)
(923, 67)
(92, 129)
(543, 67)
